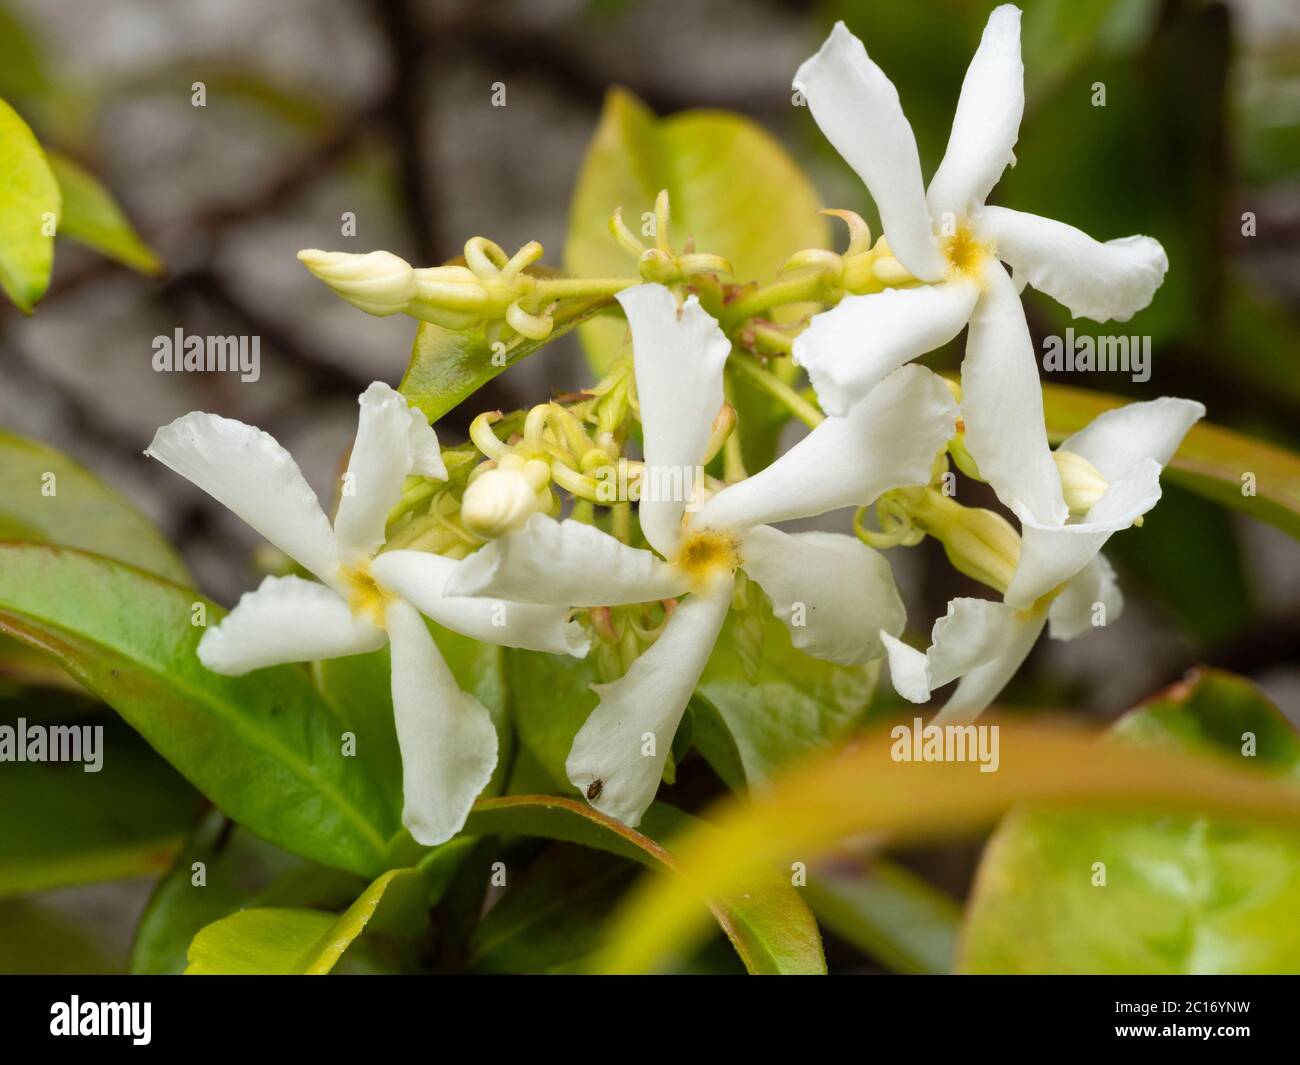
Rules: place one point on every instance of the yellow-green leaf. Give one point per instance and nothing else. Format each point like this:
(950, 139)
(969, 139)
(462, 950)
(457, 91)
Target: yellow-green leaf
(29, 212)
(283, 942)
(92, 216)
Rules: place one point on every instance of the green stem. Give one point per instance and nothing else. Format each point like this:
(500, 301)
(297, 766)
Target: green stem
(803, 288)
(561, 287)
(778, 389)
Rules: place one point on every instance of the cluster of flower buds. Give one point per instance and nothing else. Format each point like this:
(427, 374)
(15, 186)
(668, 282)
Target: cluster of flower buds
(861, 268)
(660, 263)
(489, 287)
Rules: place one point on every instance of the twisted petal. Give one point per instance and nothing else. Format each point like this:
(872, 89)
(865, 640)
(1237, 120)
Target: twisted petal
(888, 440)
(287, 619)
(849, 349)
(1074, 611)
(419, 578)
(564, 563)
(987, 123)
(1119, 439)
(247, 471)
(393, 440)
(641, 711)
(833, 592)
(1052, 554)
(448, 743)
(982, 642)
(678, 356)
(1104, 282)
(858, 110)
(1002, 403)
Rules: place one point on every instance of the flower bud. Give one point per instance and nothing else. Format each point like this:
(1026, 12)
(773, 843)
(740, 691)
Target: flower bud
(378, 282)
(1081, 482)
(497, 502)
(979, 543)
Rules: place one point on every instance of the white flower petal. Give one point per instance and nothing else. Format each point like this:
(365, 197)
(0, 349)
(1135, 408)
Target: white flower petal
(987, 123)
(972, 633)
(1052, 554)
(393, 440)
(287, 619)
(1116, 440)
(984, 683)
(650, 698)
(446, 736)
(420, 577)
(1002, 403)
(909, 669)
(849, 349)
(1104, 282)
(1072, 613)
(565, 563)
(858, 110)
(886, 441)
(833, 592)
(247, 471)
(678, 356)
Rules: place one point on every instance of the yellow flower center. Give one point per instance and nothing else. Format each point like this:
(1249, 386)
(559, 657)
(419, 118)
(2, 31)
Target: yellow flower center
(365, 595)
(704, 555)
(965, 252)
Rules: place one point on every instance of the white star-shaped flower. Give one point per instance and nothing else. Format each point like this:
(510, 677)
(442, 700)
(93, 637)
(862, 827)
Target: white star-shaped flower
(1061, 579)
(366, 598)
(949, 238)
(832, 591)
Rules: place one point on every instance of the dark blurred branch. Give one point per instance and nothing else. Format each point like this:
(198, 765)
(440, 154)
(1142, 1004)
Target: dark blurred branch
(407, 100)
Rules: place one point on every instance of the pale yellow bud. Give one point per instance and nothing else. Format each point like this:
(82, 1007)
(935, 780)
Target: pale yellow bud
(497, 502)
(378, 282)
(1081, 481)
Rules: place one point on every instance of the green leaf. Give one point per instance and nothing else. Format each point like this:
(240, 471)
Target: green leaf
(265, 748)
(62, 825)
(1213, 462)
(892, 914)
(1181, 894)
(38, 940)
(766, 921)
(45, 497)
(92, 216)
(776, 703)
(864, 790)
(550, 698)
(447, 366)
(223, 868)
(29, 202)
(553, 918)
(282, 942)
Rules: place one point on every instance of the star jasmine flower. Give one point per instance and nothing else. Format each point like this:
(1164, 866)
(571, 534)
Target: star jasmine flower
(948, 238)
(1111, 472)
(365, 598)
(832, 591)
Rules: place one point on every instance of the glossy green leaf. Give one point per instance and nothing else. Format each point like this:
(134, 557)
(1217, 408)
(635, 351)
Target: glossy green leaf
(550, 698)
(767, 921)
(1180, 894)
(62, 825)
(29, 212)
(1213, 462)
(553, 918)
(775, 703)
(45, 497)
(885, 910)
(282, 942)
(864, 790)
(447, 366)
(221, 869)
(92, 216)
(265, 747)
